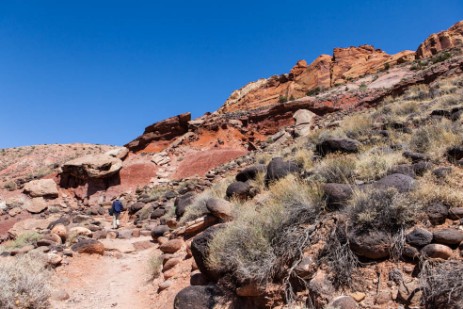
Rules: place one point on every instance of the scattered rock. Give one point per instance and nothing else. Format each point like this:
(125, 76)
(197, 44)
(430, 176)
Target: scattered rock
(197, 278)
(455, 213)
(344, 302)
(250, 173)
(448, 236)
(165, 285)
(337, 195)
(344, 145)
(159, 231)
(419, 237)
(182, 202)
(220, 208)
(37, 206)
(455, 154)
(415, 156)
(89, 246)
(41, 188)
(196, 297)
(171, 246)
(278, 168)
(437, 213)
(170, 263)
(241, 190)
(374, 245)
(437, 251)
(402, 183)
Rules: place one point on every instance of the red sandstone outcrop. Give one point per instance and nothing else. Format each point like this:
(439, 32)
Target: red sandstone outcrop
(324, 72)
(453, 37)
(163, 130)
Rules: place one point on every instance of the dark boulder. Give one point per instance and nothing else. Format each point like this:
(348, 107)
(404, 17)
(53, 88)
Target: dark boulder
(182, 202)
(415, 156)
(344, 145)
(200, 251)
(437, 213)
(455, 213)
(196, 297)
(250, 173)
(159, 231)
(419, 237)
(442, 172)
(158, 213)
(402, 183)
(373, 245)
(455, 154)
(448, 236)
(410, 253)
(412, 170)
(135, 207)
(279, 168)
(437, 251)
(241, 190)
(337, 195)
(220, 208)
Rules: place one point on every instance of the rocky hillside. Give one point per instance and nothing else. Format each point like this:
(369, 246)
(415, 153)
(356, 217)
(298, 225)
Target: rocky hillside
(337, 185)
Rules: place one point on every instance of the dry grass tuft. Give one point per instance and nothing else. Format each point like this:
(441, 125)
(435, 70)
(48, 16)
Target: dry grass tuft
(375, 164)
(442, 284)
(337, 168)
(24, 282)
(357, 125)
(26, 238)
(255, 246)
(155, 265)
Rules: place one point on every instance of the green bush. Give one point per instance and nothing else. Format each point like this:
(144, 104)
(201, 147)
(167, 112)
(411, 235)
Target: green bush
(282, 99)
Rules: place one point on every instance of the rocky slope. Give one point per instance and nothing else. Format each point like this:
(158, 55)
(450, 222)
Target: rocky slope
(392, 122)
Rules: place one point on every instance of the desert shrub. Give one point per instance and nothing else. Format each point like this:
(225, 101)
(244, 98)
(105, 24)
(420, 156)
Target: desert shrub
(442, 284)
(263, 157)
(375, 164)
(303, 157)
(24, 282)
(339, 257)
(429, 192)
(363, 87)
(155, 265)
(441, 57)
(26, 238)
(357, 125)
(418, 92)
(10, 185)
(403, 108)
(448, 100)
(319, 136)
(385, 210)
(337, 168)
(282, 99)
(314, 91)
(434, 138)
(255, 245)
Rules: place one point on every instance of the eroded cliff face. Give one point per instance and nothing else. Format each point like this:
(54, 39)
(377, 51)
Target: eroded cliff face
(330, 70)
(453, 37)
(324, 72)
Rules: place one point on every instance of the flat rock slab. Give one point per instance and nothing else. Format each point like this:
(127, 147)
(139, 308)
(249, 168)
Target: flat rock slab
(117, 245)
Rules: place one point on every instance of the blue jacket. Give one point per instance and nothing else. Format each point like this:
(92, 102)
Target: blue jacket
(117, 206)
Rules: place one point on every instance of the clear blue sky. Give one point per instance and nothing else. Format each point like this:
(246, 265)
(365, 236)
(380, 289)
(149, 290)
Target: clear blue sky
(100, 71)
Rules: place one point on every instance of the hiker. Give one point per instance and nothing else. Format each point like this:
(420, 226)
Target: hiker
(116, 208)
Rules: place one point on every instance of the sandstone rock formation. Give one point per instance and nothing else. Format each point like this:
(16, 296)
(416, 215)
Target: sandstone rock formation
(41, 187)
(99, 166)
(453, 37)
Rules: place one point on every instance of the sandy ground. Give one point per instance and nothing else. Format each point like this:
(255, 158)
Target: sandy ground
(116, 280)
(94, 281)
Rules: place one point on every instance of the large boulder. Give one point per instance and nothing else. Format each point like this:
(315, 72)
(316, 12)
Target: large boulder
(279, 168)
(240, 190)
(344, 145)
(373, 245)
(182, 202)
(251, 172)
(437, 213)
(448, 236)
(419, 237)
(437, 251)
(220, 208)
(93, 166)
(200, 251)
(196, 297)
(89, 246)
(402, 183)
(343, 302)
(120, 153)
(41, 188)
(304, 119)
(38, 205)
(337, 195)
